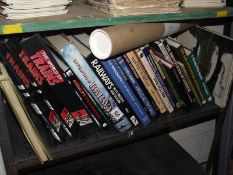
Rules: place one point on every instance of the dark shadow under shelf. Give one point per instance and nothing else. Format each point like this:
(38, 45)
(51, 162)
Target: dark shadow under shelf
(74, 148)
(159, 155)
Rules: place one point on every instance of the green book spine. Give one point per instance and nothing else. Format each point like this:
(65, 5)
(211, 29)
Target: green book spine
(185, 72)
(190, 72)
(200, 79)
(179, 101)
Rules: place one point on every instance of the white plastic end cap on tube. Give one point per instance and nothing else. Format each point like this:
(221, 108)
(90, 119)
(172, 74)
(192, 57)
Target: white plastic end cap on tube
(100, 44)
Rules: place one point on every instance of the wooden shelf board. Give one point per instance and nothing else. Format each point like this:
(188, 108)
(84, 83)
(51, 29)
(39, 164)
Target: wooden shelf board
(108, 139)
(80, 16)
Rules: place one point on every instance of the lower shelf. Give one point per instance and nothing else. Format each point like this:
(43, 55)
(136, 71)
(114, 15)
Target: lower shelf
(159, 155)
(76, 148)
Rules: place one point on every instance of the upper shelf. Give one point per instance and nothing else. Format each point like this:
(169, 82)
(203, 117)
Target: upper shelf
(80, 16)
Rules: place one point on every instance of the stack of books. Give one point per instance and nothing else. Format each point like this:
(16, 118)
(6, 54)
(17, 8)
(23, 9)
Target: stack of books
(13, 9)
(75, 94)
(135, 7)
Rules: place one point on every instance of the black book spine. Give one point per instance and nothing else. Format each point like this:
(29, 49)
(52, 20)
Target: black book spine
(31, 98)
(41, 86)
(99, 115)
(43, 59)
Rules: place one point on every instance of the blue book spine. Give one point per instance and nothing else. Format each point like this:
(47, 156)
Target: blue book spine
(132, 79)
(115, 72)
(82, 70)
(156, 72)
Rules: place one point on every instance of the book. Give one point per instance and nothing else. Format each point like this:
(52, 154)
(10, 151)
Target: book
(168, 80)
(22, 117)
(121, 82)
(41, 85)
(81, 69)
(97, 112)
(196, 70)
(155, 77)
(106, 80)
(179, 51)
(214, 57)
(42, 58)
(137, 86)
(24, 84)
(131, 57)
(162, 51)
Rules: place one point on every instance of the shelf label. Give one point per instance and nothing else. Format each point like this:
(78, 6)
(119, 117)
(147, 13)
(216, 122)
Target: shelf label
(221, 13)
(13, 28)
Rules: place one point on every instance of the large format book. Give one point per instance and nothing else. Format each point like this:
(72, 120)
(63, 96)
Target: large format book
(32, 98)
(135, 7)
(106, 80)
(30, 132)
(131, 57)
(40, 55)
(82, 70)
(42, 86)
(213, 54)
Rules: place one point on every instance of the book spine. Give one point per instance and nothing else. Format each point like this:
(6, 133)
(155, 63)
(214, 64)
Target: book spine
(107, 80)
(138, 67)
(23, 83)
(188, 97)
(184, 70)
(96, 110)
(190, 72)
(167, 79)
(121, 82)
(137, 87)
(155, 77)
(40, 85)
(42, 58)
(202, 83)
(93, 85)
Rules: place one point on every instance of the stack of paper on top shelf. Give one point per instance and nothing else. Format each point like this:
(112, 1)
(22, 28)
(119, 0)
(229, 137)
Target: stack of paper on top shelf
(204, 3)
(19, 9)
(135, 7)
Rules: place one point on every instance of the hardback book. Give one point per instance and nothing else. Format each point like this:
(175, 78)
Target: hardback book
(42, 58)
(179, 52)
(93, 85)
(166, 74)
(131, 57)
(213, 54)
(98, 114)
(31, 97)
(155, 78)
(122, 83)
(137, 86)
(162, 50)
(41, 85)
(106, 80)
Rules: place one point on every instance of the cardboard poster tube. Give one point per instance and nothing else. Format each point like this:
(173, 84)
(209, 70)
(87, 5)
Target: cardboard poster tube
(111, 41)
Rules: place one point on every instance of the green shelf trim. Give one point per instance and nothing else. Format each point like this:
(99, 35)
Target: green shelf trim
(84, 21)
